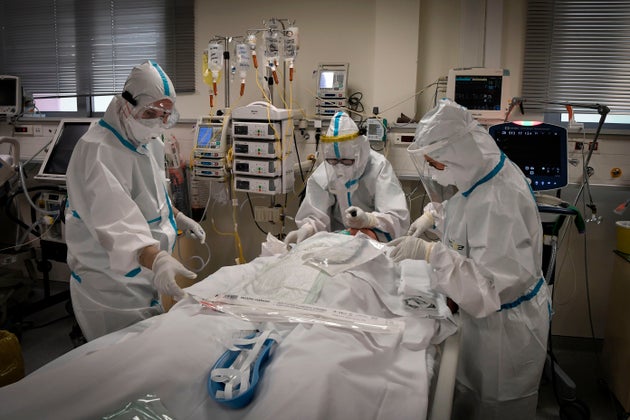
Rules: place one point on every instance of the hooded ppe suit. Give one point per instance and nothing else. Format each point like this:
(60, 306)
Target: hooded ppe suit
(359, 177)
(118, 205)
(489, 262)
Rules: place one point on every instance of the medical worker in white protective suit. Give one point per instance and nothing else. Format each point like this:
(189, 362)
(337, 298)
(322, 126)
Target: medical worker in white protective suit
(120, 223)
(354, 188)
(488, 261)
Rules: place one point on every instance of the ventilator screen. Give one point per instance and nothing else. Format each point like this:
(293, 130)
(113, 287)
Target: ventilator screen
(538, 149)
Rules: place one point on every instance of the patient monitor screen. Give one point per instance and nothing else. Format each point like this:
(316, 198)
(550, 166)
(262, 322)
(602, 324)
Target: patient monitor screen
(7, 92)
(479, 92)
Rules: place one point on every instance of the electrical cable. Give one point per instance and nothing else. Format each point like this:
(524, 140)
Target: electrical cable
(297, 154)
(251, 207)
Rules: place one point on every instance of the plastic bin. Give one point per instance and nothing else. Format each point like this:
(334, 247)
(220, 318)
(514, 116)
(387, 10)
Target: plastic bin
(623, 236)
(11, 360)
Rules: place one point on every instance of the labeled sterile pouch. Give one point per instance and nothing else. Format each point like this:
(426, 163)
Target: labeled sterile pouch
(416, 293)
(257, 309)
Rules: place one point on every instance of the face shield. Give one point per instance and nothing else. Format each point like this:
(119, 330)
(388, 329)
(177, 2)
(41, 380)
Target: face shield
(343, 159)
(438, 184)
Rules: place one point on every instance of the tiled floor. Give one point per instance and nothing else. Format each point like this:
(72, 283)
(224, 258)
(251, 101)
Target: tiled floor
(47, 336)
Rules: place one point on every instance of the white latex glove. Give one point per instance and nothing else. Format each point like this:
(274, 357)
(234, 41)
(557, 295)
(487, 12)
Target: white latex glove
(165, 268)
(421, 225)
(297, 236)
(356, 218)
(409, 247)
(190, 227)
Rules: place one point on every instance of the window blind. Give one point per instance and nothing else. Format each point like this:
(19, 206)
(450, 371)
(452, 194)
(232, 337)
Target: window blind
(88, 47)
(578, 51)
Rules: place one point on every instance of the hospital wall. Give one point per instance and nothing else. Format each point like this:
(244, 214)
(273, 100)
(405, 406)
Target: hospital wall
(394, 50)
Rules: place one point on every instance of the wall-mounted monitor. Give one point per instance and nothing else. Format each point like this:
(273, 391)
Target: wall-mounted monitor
(68, 133)
(482, 91)
(10, 95)
(539, 149)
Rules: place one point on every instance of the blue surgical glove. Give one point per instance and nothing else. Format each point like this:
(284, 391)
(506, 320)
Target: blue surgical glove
(409, 247)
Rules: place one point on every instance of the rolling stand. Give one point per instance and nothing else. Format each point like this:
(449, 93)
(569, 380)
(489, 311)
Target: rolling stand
(571, 408)
(22, 308)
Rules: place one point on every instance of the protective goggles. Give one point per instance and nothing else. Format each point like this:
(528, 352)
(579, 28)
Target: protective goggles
(167, 117)
(346, 162)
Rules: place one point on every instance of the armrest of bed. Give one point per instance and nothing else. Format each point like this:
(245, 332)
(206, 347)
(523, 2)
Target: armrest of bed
(444, 389)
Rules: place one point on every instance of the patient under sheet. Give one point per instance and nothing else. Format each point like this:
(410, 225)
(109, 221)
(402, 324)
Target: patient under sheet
(322, 367)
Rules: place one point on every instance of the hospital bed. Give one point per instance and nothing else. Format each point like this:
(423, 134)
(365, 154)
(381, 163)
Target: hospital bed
(357, 336)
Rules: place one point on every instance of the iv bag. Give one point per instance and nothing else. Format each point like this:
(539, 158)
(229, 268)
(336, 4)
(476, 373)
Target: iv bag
(272, 45)
(215, 59)
(291, 44)
(205, 71)
(242, 59)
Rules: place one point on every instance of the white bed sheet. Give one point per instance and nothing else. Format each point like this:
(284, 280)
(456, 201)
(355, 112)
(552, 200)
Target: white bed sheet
(316, 372)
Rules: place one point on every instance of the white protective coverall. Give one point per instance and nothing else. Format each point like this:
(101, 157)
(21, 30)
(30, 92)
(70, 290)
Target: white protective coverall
(369, 184)
(118, 205)
(489, 261)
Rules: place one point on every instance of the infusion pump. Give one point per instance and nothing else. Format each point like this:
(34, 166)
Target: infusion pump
(263, 159)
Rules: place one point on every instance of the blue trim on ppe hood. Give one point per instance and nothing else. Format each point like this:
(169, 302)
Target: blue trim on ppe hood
(488, 177)
(167, 91)
(120, 138)
(337, 119)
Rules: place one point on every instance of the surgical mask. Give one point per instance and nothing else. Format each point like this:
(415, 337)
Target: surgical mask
(342, 166)
(437, 184)
(342, 178)
(142, 132)
(443, 177)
